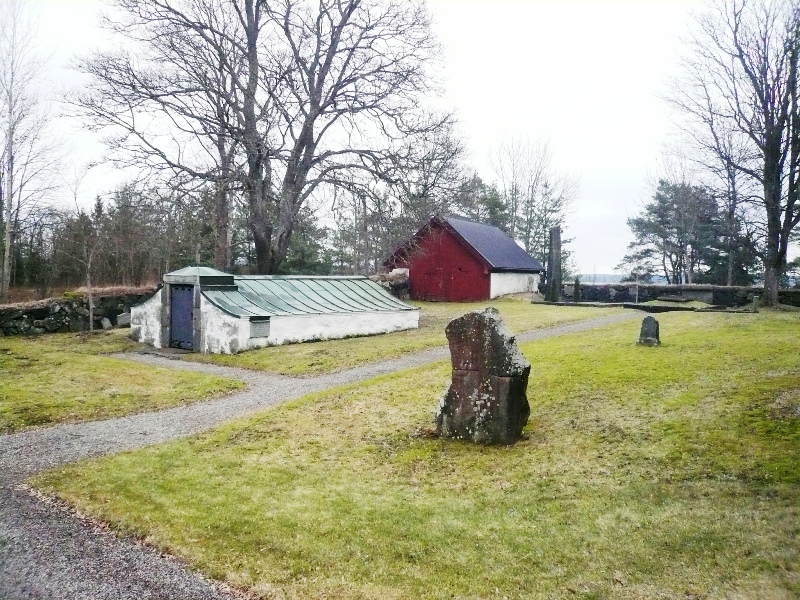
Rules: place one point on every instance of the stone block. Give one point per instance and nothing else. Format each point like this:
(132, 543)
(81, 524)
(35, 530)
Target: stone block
(480, 341)
(54, 323)
(649, 334)
(486, 401)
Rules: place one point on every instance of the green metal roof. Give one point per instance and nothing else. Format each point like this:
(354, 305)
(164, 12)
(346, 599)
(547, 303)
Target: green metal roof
(263, 296)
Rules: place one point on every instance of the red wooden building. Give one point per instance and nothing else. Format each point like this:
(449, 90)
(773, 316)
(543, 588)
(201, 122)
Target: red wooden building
(453, 259)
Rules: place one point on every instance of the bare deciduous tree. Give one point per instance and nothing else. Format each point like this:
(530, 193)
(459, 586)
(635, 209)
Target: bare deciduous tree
(423, 180)
(739, 93)
(288, 95)
(538, 197)
(168, 102)
(27, 172)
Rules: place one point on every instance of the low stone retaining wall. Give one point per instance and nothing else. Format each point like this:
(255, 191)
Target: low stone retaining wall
(396, 283)
(67, 314)
(711, 294)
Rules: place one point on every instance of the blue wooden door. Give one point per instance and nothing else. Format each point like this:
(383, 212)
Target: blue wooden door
(180, 316)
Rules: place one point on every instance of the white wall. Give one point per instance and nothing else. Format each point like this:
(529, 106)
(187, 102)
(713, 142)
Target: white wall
(339, 325)
(146, 321)
(222, 333)
(512, 283)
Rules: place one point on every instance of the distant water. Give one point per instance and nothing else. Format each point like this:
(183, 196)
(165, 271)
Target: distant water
(590, 278)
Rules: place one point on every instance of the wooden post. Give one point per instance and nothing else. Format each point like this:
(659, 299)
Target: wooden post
(554, 266)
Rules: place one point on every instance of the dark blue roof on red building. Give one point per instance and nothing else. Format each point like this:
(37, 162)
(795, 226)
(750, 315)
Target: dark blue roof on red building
(487, 242)
(497, 249)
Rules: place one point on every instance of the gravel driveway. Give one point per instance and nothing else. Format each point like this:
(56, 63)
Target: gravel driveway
(48, 552)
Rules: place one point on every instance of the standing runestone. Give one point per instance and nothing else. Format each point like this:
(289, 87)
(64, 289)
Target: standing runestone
(649, 335)
(486, 399)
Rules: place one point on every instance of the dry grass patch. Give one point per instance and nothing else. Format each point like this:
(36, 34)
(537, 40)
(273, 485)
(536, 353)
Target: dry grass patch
(64, 378)
(646, 473)
(314, 358)
(787, 405)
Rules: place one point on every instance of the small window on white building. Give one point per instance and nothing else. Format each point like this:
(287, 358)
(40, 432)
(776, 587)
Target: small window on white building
(259, 329)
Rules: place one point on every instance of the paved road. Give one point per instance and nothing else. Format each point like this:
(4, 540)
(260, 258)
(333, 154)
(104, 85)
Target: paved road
(47, 552)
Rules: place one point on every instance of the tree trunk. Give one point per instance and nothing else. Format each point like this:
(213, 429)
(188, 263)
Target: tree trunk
(8, 188)
(261, 243)
(774, 259)
(770, 286)
(733, 201)
(7, 213)
(773, 263)
(87, 256)
(259, 223)
(259, 175)
(280, 243)
(365, 234)
(294, 181)
(729, 276)
(689, 266)
(221, 228)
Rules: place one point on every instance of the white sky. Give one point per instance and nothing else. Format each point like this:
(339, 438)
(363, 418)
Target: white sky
(584, 74)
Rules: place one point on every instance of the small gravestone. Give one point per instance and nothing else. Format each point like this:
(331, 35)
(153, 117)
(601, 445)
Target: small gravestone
(106, 323)
(486, 401)
(649, 333)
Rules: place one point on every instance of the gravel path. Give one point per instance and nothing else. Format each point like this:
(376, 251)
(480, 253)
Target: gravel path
(47, 552)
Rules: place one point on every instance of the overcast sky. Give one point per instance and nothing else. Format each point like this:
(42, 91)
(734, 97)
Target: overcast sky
(586, 76)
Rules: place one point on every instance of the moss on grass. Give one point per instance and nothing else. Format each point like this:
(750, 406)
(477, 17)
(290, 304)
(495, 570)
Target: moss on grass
(646, 473)
(64, 378)
(313, 358)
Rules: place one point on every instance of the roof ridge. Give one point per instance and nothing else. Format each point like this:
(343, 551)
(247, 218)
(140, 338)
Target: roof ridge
(273, 277)
(466, 220)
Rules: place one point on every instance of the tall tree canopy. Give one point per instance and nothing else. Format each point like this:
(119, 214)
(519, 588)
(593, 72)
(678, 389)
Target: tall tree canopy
(266, 100)
(682, 234)
(28, 165)
(537, 196)
(739, 95)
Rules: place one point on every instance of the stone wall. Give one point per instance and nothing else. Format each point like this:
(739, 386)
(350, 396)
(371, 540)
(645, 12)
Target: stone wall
(395, 282)
(66, 314)
(711, 294)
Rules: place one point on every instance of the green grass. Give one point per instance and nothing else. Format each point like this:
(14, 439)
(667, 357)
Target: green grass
(668, 472)
(314, 358)
(689, 304)
(64, 378)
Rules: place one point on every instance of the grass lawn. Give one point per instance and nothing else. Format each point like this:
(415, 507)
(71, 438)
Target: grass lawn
(64, 378)
(668, 472)
(314, 358)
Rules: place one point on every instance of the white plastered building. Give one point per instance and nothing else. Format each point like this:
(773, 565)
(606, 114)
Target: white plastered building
(205, 310)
